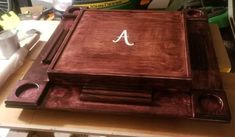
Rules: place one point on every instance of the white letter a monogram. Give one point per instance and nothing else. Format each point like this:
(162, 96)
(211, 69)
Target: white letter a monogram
(125, 36)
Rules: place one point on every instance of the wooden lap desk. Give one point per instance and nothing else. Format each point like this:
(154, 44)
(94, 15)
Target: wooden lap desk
(105, 124)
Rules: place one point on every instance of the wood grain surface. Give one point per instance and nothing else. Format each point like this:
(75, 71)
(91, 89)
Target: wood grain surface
(160, 52)
(107, 124)
(68, 90)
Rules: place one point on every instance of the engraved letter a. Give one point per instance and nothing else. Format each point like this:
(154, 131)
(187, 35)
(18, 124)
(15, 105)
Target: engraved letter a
(125, 36)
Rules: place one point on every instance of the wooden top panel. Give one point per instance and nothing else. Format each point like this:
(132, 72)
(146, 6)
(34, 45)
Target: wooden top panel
(159, 50)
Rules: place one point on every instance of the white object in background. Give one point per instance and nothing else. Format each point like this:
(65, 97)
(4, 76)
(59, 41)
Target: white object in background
(45, 3)
(49, 1)
(4, 132)
(231, 14)
(159, 4)
(45, 27)
(61, 5)
(8, 44)
(10, 65)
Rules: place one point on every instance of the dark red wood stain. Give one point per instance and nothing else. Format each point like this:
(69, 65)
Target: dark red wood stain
(90, 73)
(158, 51)
(67, 97)
(158, 55)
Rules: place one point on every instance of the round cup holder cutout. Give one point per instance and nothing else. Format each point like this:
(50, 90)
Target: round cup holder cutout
(195, 13)
(27, 90)
(210, 103)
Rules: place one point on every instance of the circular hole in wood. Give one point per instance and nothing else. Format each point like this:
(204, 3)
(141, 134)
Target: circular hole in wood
(27, 90)
(210, 103)
(195, 13)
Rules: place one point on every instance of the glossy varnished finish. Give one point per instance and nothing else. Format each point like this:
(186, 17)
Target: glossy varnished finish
(205, 98)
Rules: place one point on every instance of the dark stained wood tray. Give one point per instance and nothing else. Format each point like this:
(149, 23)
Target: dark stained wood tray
(90, 57)
(164, 64)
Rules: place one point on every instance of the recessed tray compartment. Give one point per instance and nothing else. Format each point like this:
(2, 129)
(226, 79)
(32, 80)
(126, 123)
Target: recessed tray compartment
(157, 58)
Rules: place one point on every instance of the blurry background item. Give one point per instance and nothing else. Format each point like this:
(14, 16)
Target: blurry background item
(231, 8)
(55, 8)
(158, 4)
(45, 3)
(176, 5)
(29, 13)
(108, 4)
(216, 10)
(9, 5)
(13, 5)
(8, 44)
(4, 6)
(10, 65)
(61, 5)
(217, 15)
(9, 20)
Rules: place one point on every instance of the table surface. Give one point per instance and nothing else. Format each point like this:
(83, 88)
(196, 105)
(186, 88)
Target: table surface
(105, 124)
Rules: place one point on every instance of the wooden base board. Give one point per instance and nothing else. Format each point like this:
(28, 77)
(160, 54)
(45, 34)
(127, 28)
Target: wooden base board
(206, 100)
